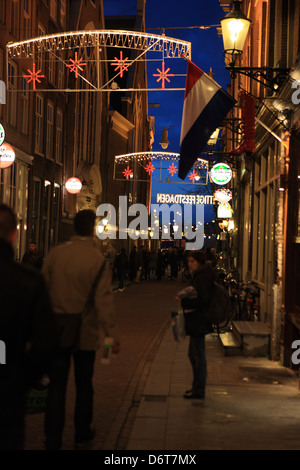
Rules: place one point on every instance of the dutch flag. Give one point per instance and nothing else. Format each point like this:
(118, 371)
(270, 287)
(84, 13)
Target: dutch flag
(206, 104)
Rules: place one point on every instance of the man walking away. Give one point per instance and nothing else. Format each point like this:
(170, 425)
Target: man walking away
(110, 255)
(27, 330)
(121, 266)
(71, 270)
(133, 264)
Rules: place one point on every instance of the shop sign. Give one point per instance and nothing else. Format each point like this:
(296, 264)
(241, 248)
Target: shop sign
(221, 173)
(73, 185)
(7, 155)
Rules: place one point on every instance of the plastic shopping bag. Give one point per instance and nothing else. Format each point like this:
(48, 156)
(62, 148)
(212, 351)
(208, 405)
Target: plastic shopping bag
(178, 325)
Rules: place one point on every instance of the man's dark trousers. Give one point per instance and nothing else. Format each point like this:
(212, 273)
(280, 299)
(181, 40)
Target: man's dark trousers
(55, 409)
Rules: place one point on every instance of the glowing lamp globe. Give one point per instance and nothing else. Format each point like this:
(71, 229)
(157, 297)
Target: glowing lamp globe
(235, 27)
(73, 185)
(7, 155)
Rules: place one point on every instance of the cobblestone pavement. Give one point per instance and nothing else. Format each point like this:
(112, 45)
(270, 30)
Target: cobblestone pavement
(143, 314)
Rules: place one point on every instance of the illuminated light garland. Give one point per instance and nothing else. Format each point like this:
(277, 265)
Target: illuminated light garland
(149, 168)
(193, 175)
(172, 169)
(75, 65)
(127, 172)
(34, 76)
(171, 47)
(163, 75)
(164, 156)
(121, 64)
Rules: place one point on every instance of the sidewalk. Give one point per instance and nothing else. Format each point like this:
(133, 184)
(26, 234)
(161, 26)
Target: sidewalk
(251, 403)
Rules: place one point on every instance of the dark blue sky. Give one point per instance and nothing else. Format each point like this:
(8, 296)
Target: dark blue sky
(207, 51)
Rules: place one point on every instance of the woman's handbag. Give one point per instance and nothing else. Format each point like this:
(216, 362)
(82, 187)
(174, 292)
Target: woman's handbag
(178, 325)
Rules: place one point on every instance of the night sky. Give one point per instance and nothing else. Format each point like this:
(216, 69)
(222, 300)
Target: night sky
(207, 51)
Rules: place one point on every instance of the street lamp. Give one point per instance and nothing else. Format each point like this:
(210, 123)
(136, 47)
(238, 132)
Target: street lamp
(235, 27)
(164, 141)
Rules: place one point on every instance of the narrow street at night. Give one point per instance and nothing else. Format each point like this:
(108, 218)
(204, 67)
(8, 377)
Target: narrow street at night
(251, 403)
(149, 228)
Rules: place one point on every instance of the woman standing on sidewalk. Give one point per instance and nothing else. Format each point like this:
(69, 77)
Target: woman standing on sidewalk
(196, 323)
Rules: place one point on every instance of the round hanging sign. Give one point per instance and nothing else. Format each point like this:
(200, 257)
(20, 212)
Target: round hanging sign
(223, 195)
(221, 173)
(73, 185)
(2, 134)
(7, 155)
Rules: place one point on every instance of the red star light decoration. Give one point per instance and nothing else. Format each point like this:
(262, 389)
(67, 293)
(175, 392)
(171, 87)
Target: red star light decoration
(149, 168)
(76, 65)
(34, 76)
(121, 64)
(172, 169)
(193, 175)
(163, 75)
(127, 172)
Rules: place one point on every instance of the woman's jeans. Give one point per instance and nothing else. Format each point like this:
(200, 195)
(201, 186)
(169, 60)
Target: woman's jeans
(197, 358)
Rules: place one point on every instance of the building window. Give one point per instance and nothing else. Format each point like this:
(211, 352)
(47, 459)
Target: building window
(60, 74)
(49, 132)
(14, 18)
(27, 31)
(2, 11)
(12, 95)
(39, 123)
(36, 207)
(59, 135)
(62, 12)
(51, 68)
(53, 9)
(8, 188)
(24, 97)
(40, 54)
(41, 30)
(56, 201)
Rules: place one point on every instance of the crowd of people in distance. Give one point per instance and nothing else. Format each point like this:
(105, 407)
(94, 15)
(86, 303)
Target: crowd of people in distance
(143, 264)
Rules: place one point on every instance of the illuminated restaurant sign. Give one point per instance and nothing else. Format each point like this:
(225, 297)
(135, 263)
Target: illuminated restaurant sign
(221, 173)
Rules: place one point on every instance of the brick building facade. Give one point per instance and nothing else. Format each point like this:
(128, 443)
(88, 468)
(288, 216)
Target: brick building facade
(57, 134)
(267, 239)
